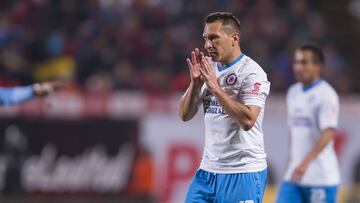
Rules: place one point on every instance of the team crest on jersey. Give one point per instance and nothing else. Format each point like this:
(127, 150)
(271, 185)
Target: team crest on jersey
(231, 79)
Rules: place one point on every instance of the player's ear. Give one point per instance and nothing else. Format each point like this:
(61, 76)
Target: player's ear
(236, 39)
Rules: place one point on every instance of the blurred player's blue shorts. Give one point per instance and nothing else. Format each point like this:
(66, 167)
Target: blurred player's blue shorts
(227, 188)
(291, 192)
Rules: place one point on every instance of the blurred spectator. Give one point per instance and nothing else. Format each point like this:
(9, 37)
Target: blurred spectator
(99, 82)
(125, 76)
(78, 39)
(335, 68)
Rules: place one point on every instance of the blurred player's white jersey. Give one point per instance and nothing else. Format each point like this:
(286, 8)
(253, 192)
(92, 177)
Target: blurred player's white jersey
(228, 147)
(310, 111)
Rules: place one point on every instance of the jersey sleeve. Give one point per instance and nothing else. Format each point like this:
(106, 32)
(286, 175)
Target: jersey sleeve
(254, 90)
(15, 95)
(328, 113)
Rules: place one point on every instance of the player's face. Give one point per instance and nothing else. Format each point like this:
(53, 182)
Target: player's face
(306, 70)
(218, 43)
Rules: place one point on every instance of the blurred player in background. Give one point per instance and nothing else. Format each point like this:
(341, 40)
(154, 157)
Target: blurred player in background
(232, 88)
(17, 95)
(313, 109)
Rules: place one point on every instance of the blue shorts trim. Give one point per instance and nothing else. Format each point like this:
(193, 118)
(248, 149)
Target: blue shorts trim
(294, 193)
(227, 188)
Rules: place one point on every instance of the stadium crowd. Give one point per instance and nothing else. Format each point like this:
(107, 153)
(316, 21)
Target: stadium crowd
(105, 45)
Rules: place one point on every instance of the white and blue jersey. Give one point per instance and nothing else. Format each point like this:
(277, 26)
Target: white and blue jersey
(228, 147)
(15, 95)
(233, 166)
(310, 111)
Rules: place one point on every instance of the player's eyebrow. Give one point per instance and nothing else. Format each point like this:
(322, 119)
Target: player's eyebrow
(211, 35)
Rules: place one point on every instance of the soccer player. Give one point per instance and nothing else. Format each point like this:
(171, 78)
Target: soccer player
(17, 95)
(313, 108)
(232, 88)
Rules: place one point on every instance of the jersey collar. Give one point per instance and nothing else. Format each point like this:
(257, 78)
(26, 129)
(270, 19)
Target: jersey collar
(226, 66)
(307, 88)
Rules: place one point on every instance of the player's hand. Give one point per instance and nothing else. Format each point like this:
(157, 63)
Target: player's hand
(208, 72)
(42, 89)
(194, 65)
(299, 172)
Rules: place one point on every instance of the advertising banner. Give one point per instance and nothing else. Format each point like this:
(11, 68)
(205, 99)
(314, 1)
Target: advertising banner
(63, 156)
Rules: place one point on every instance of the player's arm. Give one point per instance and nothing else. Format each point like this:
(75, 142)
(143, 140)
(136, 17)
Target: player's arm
(327, 118)
(326, 136)
(245, 115)
(17, 95)
(188, 105)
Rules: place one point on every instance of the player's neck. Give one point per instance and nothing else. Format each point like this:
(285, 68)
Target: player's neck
(310, 83)
(233, 56)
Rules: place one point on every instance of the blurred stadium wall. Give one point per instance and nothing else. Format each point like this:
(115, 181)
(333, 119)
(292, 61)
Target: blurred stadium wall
(129, 146)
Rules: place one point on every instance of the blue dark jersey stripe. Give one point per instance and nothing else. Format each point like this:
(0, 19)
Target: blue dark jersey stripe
(307, 88)
(221, 68)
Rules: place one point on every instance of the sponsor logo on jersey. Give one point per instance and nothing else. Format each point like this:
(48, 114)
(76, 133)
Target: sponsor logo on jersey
(256, 87)
(301, 121)
(212, 106)
(254, 92)
(208, 93)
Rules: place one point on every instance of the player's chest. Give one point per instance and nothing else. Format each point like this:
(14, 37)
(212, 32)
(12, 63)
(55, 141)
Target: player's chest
(303, 105)
(230, 82)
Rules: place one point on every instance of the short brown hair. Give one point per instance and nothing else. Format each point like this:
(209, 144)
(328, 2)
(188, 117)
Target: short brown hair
(318, 55)
(227, 18)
